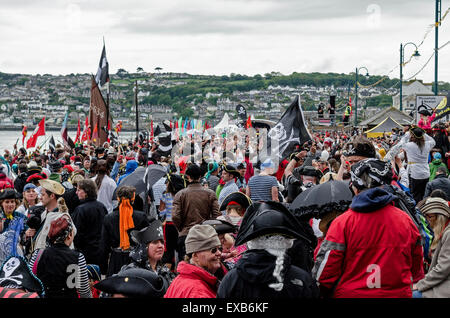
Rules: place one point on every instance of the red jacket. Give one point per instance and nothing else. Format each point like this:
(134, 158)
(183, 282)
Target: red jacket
(372, 250)
(192, 282)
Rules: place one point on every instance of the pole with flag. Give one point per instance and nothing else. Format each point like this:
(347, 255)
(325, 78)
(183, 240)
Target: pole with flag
(64, 130)
(77, 138)
(24, 133)
(103, 80)
(38, 131)
(290, 131)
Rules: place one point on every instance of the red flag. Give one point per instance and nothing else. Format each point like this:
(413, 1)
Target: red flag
(151, 132)
(249, 122)
(77, 138)
(95, 134)
(24, 133)
(86, 133)
(38, 131)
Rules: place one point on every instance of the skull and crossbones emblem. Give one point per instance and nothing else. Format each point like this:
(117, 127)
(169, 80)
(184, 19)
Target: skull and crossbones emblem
(8, 269)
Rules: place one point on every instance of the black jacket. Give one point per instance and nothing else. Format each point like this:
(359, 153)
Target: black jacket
(439, 182)
(88, 219)
(254, 272)
(20, 182)
(52, 270)
(72, 200)
(111, 238)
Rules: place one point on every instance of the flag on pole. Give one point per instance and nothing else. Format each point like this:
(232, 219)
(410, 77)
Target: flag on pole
(288, 132)
(77, 138)
(64, 129)
(24, 133)
(95, 133)
(102, 76)
(38, 131)
(86, 132)
(249, 123)
(98, 114)
(51, 144)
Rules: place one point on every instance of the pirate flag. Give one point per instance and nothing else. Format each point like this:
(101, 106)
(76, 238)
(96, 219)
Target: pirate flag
(242, 115)
(290, 131)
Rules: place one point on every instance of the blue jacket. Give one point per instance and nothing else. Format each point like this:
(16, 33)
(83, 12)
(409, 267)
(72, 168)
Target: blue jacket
(131, 166)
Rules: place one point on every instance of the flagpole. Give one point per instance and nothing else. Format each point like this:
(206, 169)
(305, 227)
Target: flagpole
(137, 113)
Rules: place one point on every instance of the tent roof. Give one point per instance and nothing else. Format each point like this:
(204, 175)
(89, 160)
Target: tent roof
(400, 117)
(385, 126)
(224, 123)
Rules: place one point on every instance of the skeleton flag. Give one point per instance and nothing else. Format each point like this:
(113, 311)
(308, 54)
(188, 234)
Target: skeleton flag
(290, 130)
(242, 115)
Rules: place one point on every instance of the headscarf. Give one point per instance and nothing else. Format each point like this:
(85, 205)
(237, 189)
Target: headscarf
(214, 167)
(125, 222)
(378, 170)
(59, 230)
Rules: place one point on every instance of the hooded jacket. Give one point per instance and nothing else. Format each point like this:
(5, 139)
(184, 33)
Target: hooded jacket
(192, 282)
(129, 169)
(372, 250)
(434, 165)
(440, 182)
(254, 273)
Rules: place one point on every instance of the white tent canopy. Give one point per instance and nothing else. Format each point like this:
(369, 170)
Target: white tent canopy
(224, 123)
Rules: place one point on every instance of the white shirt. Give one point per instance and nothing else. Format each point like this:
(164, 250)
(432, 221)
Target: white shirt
(106, 191)
(418, 166)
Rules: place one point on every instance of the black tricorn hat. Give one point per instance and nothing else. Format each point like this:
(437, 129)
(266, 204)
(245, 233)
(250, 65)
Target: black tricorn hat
(308, 171)
(238, 197)
(134, 282)
(232, 170)
(266, 218)
(149, 234)
(221, 226)
(9, 193)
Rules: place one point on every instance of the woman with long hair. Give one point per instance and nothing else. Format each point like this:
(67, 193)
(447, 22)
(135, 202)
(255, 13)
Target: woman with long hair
(417, 145)
(436, 283)
(105, 185)
(30, 199)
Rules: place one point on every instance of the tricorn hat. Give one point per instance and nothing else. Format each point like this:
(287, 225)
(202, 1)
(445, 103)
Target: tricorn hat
(134, 282)
(266, 218)
(151, 233)
(16, 272)
(232, 170)
(236, 197)
(9, 193)
(221, 226)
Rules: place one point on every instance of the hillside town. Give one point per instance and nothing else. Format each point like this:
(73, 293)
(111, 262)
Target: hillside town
(25, 99)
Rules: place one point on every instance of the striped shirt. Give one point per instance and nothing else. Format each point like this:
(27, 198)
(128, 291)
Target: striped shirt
(8, 293)
(168, 201)
(158, 189)
(261, 187)
(227, 189)
(83, 288)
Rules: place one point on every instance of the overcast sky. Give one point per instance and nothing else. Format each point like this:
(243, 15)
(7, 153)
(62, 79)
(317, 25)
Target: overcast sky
(220, 37)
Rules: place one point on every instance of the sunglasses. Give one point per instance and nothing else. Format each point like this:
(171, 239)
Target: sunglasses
(214, 249)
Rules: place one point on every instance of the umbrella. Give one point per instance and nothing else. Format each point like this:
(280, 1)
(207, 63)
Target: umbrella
(315, 202)
(153, 174)
(135, 179)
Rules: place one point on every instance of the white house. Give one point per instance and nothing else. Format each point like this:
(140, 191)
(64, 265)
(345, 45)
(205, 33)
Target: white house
(409, 91)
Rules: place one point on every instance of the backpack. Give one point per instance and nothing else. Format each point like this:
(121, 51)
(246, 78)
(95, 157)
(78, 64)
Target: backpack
(406, 203)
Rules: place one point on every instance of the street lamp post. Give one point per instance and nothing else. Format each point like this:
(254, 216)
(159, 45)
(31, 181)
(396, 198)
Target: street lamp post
(402, 61)
(356, 91)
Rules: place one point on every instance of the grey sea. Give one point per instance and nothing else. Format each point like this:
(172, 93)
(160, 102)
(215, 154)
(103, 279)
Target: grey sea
(9, 137)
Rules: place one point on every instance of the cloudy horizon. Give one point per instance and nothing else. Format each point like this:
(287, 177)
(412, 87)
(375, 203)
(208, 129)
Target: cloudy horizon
(221, 37)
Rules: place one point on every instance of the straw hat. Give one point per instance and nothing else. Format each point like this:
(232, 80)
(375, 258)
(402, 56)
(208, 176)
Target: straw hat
(52, 186)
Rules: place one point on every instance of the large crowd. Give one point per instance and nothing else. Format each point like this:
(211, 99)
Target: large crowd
(341, 216)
